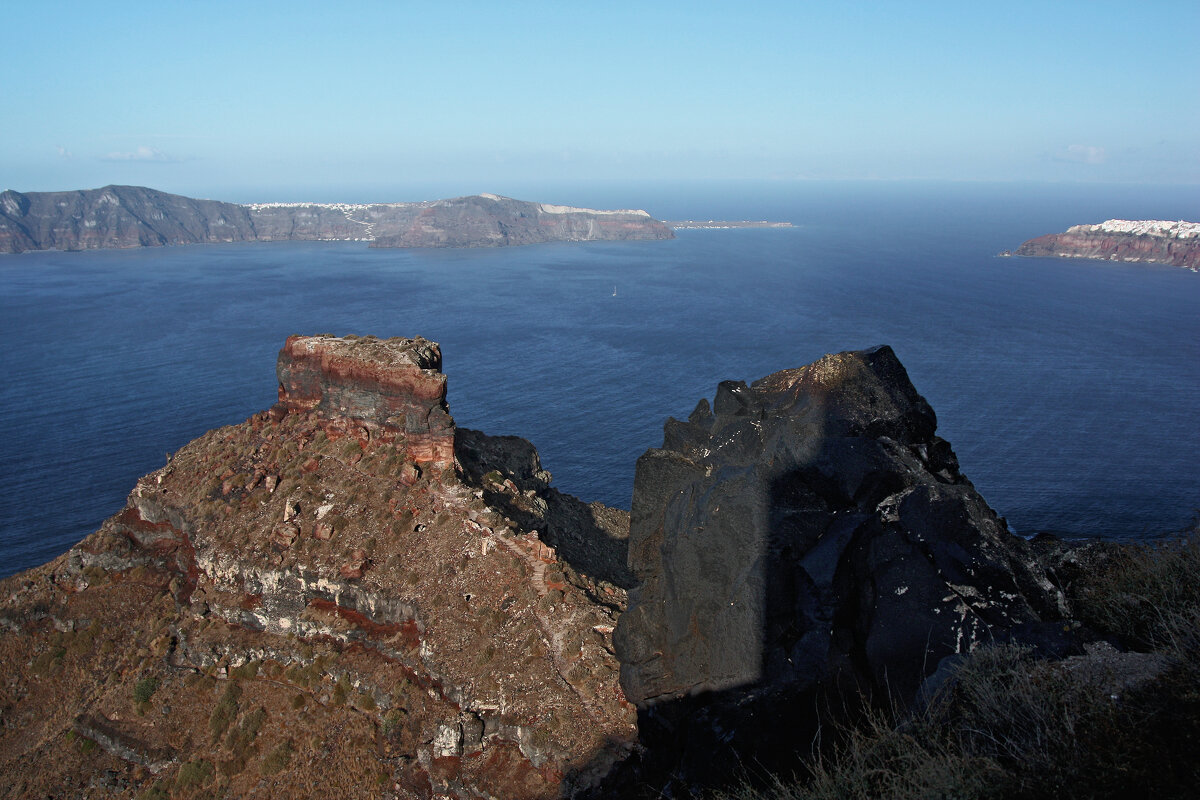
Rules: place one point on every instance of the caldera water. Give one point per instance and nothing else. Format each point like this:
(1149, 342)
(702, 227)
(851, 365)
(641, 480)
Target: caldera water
(1068, 388)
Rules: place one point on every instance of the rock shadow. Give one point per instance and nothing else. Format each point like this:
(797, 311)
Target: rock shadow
(803, 549)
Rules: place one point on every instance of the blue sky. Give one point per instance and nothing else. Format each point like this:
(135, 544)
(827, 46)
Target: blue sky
(266, 100)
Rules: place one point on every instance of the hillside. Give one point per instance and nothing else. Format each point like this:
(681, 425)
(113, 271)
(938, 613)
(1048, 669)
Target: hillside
(134, 216)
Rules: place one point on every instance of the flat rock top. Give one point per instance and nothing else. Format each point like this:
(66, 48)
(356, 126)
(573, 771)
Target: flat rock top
(390, 353)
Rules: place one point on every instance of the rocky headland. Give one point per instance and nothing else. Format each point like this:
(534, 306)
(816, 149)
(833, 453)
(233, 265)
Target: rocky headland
(348, 595)
(344, 595)
(1136, 241)
(133, 216)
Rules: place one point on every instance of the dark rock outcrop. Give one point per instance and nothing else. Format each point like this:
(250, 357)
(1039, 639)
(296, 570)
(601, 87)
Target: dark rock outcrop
(807, 533)
(492, 221)
(1173, 243)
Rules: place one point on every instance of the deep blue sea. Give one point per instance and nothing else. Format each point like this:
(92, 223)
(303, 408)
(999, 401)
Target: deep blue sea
(1069, 389)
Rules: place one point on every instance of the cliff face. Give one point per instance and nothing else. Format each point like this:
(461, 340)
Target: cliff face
(131, 216)
(347, 595)
(116, 216)
(493, 221)
(391, 392)
(316, 602)
(1173, 243)
(807, 532)
(331, 221)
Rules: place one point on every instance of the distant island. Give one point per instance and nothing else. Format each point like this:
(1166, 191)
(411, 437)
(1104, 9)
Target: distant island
(135, 216)
(1148, 241)
(691, 224)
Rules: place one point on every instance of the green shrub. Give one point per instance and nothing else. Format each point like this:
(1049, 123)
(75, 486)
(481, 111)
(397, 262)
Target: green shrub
(225, 711)
(144, 689)
(246, 671)
(196, 772)
(277, 759)
(156, 791)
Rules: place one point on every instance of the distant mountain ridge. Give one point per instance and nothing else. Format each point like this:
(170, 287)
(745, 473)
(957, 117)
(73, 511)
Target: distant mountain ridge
(136, 216)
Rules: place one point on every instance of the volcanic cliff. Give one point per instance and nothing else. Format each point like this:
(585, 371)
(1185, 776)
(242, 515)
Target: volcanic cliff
(315, 602)
(805, 541)
(1149, 241)
(134, 216)
(346, 594)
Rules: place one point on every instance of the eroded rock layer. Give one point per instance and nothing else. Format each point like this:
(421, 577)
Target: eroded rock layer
(392, 390)
(316, 602)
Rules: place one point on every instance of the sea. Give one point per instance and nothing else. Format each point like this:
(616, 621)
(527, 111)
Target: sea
(1068, 388)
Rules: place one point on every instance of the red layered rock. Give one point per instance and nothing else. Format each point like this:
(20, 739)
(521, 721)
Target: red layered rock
(1173, 243)
(296, 587)
(371, 389)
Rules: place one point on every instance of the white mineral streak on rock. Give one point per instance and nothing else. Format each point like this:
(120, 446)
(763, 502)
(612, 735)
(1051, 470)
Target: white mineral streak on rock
(447, 741)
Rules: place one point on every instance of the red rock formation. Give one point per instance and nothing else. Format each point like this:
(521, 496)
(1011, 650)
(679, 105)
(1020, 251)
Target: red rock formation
(391, 389)
(1173, 243)
(295, 587)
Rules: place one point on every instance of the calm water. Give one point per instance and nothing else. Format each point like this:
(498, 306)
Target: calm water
(1068, 388)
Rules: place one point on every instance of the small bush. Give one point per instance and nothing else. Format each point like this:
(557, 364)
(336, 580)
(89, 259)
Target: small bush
(196, 772)
(156, 791)
(1146, 593)
(224, 712)
(144, 689)
(277, 759)
(246, 671)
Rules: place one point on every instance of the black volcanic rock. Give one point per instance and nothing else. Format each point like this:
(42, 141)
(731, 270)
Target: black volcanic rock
(808, 530)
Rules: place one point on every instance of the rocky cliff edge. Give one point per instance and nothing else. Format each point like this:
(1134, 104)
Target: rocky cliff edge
(807, 536)
(347, 595)
(324, 601)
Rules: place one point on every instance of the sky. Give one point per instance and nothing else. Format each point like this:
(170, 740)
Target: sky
(362, 101)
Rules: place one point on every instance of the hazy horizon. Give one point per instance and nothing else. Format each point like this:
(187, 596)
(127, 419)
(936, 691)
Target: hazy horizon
(232, 100)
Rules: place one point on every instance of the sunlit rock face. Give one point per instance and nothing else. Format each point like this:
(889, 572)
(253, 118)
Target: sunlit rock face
(391, 389)
(806, 530)
(327, 586)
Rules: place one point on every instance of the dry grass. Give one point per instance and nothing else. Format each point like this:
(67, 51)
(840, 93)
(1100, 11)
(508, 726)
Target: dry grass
(1009, 725)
